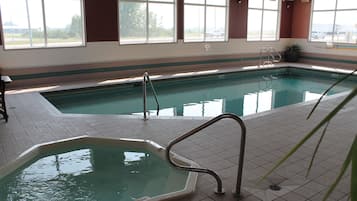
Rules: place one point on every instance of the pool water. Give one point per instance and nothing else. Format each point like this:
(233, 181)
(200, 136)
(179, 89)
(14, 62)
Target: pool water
(90, 173)
(242, 93)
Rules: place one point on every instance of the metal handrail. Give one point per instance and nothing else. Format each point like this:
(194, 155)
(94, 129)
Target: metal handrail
(276, 53)
(271, 53)
(219, 189)
(268, 56)
(146, 78)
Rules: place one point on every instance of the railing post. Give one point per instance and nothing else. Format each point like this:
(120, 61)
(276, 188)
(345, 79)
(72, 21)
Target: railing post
(207, 171)
(144, 95)
(241, 158)
(146, 78)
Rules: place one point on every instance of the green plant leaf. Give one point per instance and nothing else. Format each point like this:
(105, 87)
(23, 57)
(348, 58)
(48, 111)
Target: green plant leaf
(354, 172)
(327, 118)
(343, 170)
(316, 149)
(327, 90)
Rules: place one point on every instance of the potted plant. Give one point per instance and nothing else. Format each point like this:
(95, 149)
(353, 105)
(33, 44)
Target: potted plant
(292, 53)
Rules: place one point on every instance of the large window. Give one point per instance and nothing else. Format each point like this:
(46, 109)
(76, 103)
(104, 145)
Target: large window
(334, 21)
(205, 20)
(257, 102)
(263, 20)
(147, 21)
(42, 23)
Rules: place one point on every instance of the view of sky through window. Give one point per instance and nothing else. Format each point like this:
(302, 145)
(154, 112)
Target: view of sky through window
(263, 20)
(334, 21)
(205, 20)
(37, 23)
(148, 21)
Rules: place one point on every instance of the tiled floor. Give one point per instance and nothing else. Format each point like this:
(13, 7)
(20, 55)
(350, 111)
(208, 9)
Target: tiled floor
(269, 136)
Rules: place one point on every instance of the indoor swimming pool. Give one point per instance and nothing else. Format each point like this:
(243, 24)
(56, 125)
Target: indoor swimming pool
(241, 93)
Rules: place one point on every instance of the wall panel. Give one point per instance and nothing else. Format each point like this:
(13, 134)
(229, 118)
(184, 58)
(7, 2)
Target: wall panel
(101, 20)
(300, 20)
(238, 15)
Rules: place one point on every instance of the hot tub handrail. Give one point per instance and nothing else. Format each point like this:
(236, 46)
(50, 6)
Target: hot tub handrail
(219, 189)
(146, 78)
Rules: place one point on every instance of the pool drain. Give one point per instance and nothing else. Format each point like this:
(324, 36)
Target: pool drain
(275, 187)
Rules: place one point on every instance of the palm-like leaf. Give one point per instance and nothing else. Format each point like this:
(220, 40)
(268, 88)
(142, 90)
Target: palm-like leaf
(317, 148)
(350, 96)
(352, 154)
(354, 171)
(345, 165)
(332, 86)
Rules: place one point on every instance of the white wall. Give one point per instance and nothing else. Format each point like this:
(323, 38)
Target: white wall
(96, 52)
(323, 48)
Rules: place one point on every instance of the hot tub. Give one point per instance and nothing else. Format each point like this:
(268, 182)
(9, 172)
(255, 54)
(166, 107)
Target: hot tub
(89, 168)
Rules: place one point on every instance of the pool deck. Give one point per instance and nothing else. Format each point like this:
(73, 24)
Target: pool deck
(269, 136)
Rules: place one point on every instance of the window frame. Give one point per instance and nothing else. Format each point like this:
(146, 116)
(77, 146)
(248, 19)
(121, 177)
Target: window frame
(84, 34)
(278, 22)
(147, 41)
(205, 5)
(335, 10)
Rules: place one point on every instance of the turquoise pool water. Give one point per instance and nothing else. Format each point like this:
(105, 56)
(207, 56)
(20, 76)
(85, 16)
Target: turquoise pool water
(93, 173)
(242, 93)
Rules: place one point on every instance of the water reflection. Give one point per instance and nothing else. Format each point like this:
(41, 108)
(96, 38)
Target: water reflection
(204, 108)
(248, 98)
(257, 102)
(308, 96)
(266, 94)
(96, 173)
(203, 96)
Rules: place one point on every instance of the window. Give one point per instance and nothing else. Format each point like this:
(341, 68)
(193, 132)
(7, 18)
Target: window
(263, 20)
(42, 23)
(205, 20)
(334, 21)
(204, 108)
(147, 21)
(308, 96)
(257, 102)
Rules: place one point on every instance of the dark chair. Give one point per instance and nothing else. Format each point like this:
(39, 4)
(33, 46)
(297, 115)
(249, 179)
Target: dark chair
(3, 81)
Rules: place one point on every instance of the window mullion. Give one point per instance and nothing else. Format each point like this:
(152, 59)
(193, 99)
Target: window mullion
(84, 39)
(175, 23)
(147, 21)
(277, 28)
(29, 22)
(226, 35)
(44, 22)
(312, 14)
(334, 22)
(261, 25)
(262, 20)
(205, 21)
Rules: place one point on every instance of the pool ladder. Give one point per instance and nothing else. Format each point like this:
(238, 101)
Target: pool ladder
(146, 78)
(219, 189)
(270, 54)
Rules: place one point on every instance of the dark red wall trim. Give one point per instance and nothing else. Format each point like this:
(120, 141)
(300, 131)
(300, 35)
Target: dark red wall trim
(287, 9)
(180, 19)
(0, 37)
(0, 29)
(101, 20)
(238, 16)
(301, 20)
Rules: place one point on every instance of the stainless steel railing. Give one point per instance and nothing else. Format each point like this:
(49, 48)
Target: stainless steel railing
(146, 78)
(219, 189)
(270, 54)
